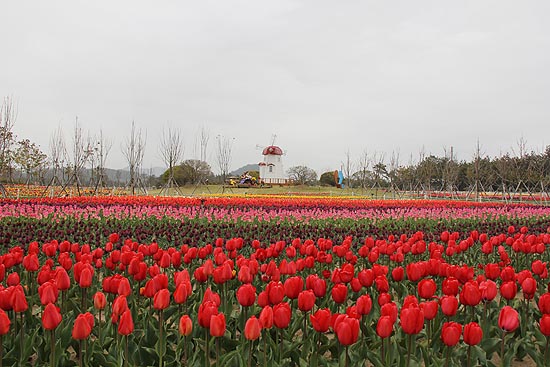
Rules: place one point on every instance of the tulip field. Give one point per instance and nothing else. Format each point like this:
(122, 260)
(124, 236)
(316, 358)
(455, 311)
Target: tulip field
(273, 281)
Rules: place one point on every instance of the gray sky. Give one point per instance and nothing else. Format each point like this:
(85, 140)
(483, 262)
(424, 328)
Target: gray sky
(325, 77)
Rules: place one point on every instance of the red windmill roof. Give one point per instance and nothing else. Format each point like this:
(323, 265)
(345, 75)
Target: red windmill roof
(273, 150)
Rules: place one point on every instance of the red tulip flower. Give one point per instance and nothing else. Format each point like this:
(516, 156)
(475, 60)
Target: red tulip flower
(306, 300)
(488, 290)
(544, 303)
(346, 329)
(450, 333)
(99, 301)
(449, 287)
(529, 287)
(217, 325)
(508, 319)
(18, 300)
(293, 286)
(281, 315)
(161, 299)
(430, 309)
(4, 323)
(321, 319)
(364, 304)
(508, 289)
(544, 324)
(246, 295)
(126, 323)
(266, 317)
(83, 326)
(185, 325)
(252, 328)
(389, 309)
(472, 333)
(426, 288)
(384, 327)
(339, 293)
(449, 305)
(51, 317)
(412, 319)
(206, 311)
(470, 294)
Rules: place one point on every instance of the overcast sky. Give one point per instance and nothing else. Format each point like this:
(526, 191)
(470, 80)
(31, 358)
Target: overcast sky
(325, 77)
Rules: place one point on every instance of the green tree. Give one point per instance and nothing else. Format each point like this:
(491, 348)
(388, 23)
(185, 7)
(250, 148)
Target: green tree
(327, 179)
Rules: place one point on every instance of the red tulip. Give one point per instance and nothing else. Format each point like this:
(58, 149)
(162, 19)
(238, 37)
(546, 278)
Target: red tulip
(450, 333)
(389, 309)
(126, 323)
(529, 287)
(266, 317)
(48, 293)
(162, 299)
(306, 300)
(13, 280)
(206, 311)
(398, 273)
(544, 324)
(293, 286)
(472, 333)
(120, 305)
(364, 304)
(384, 326)
(246, 295)
(508, 319)
(51, 317)
(317, 285)
(181, 292)
(83, 326)
(320, 320)
(449, 305)
(19, 301)
(544, 303)
(4, 323)
(508, 290)
(426, 288)
(252, 328)
(281, 315)
(217, 325)
(85, 280)
(339, 293)
(346, 329)
(412, 319)
(449, 287)
(430, 309)
(275, 292)
(488, 290)
(62, 279)
(185, 325)
(470, 294)
(99, 301)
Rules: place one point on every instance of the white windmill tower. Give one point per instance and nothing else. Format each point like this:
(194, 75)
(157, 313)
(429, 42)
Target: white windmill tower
(271, 168)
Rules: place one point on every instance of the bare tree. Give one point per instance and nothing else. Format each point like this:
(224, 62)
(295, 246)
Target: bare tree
(201, 144)
(81, 151)
(102, 149)
(363, 168)
(58, 157)
(133, 150)
(171, 150)
(223, 154)
(8, 116)
(348, 168)
(29, 158)
(393, 172)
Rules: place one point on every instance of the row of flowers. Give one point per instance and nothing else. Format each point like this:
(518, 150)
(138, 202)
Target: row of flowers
(390, 301)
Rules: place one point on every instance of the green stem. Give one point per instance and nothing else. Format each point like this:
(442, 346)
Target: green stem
(469, 355)
(347, 356)
(218, 352)
(250, 353)
(22, 332)
(1, 350)
(80, 353)
(207, 356)
(502, 348)
(409, 350)
(161, 354)
(448, 356)
(52, 347)
(265, 351)
(126, 352)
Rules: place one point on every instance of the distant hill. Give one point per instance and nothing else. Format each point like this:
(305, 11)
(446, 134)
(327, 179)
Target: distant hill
(243, 169)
